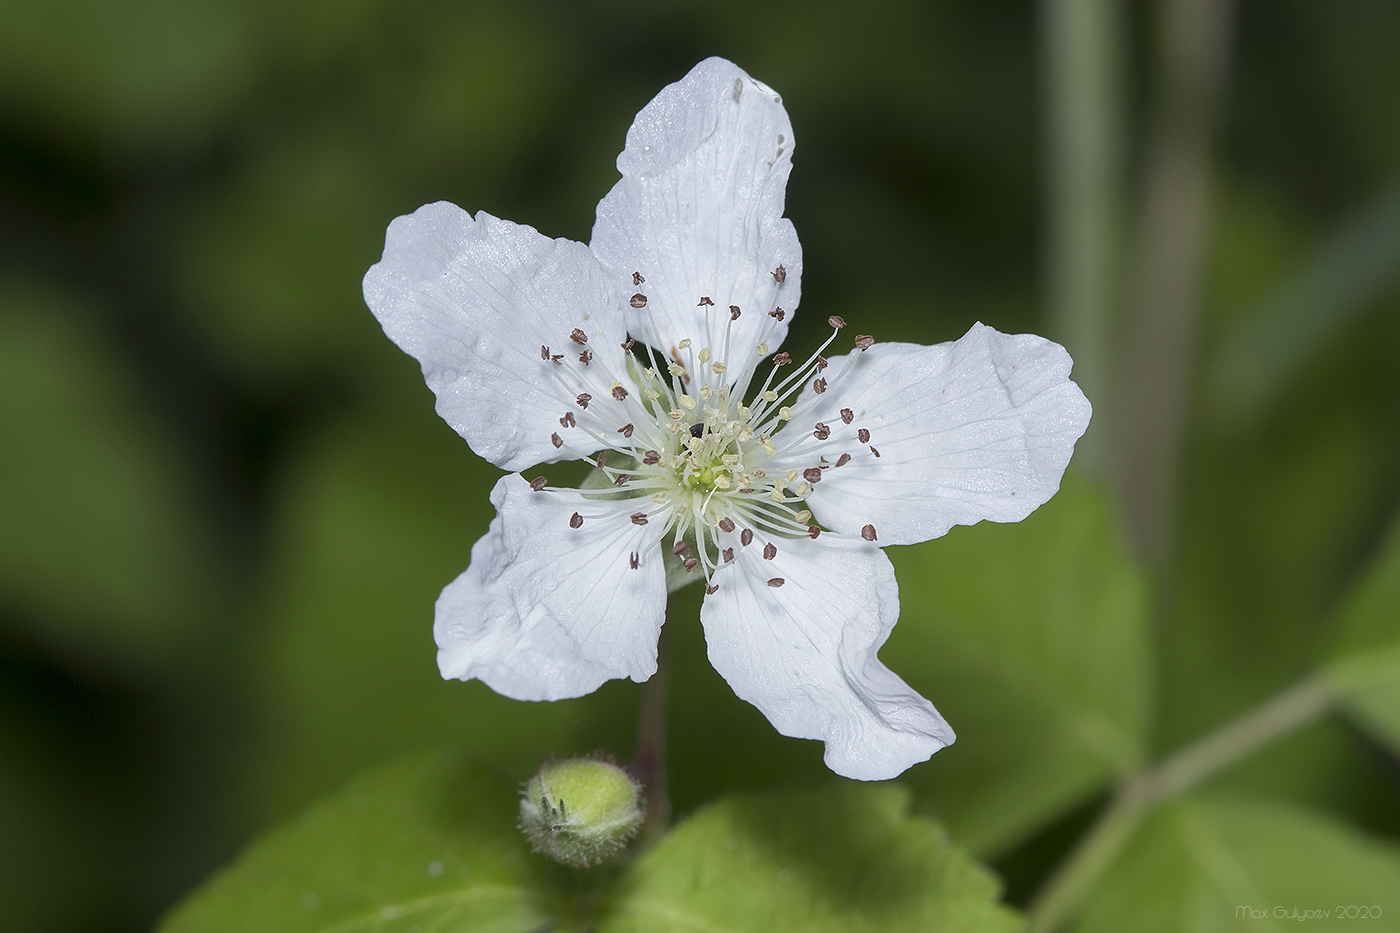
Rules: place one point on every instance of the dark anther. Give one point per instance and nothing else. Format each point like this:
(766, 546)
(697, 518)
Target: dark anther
(874, 451)
(544, 353)
(639, 518)
(782, 359)
(578, 336)
(770, 551)
(599, 460)
(813, 531)
(634, 561)
(734, 312)
(620, 479)
(746, 537)
(822, 432)
(776, 582)
(697, 429)
(625, 430)
(836, 321)
(727, 554)
(556, 358)
(652, 458)
(568, 420)
(868, 532)
(843, 459)
(847, 416)
(638, 300)
(628, 344)
(819, 385)
(576, 520)
(556, 440)
(705, 300)
(726, 525)
(864, 436)
(690, 564)
(583, 399)
(680, 549)
(780, 274)
(865, 341)
(812, 475)
(777, 314)
(538, 483)
(586, 357)
(821, 363)
(711, 589)
(619, 393)
(637, 278)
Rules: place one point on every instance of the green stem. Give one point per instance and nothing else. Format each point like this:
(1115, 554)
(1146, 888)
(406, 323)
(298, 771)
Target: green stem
(650, 762)
(1066, 889)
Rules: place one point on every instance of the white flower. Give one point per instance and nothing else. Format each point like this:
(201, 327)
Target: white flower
(776, 485)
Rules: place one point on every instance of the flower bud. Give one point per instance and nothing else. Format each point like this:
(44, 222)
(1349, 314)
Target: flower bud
(580, 811)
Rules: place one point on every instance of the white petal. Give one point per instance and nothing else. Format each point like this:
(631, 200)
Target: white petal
(474, 301)
(699, 213)
(804, 653)
(546, 611)
(980, 428)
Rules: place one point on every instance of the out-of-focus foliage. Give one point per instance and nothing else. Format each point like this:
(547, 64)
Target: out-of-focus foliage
(228, 506)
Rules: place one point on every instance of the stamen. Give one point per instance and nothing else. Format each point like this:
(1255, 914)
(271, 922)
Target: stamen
(619, 393)
(734, 312)
(822, 432)
(639, 518)
(556, 440)
(711, 589)
(576, 520)
(538, 483)
(770, 550)
(812, 475)
(625, 430)
(568, 420)
(813, 531)
(868, 532)
(586, 357)
(637, 278)
(705, 300)
(863, 436)
(836, 321)
(578, 336)
(726, 525)
(634, 561)
(583, 399)
(819, 386)
(874, 451)
(864, 341)
(638, 300)
(776, 582)
(847, 416)
(843, 459)
(746, 537)
(727, 554)
(780, 275)
(544, 353)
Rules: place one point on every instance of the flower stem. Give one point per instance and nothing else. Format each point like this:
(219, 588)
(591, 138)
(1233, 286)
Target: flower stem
(1062, 894)
(651, 745)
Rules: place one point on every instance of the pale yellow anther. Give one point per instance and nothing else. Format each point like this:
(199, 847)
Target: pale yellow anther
(802, 517)
(762, 349)
(649, 374)
(760, 473)
(776, 494)
(694, 444)
(803, 489)
(792, 477)
(705, 355)
(687, 402)
(722, 481)
(659, 498)
(651, 395)
(769, 446)
(744, 413)
(718, 368)
(769, 396)
(676, 369)
(729, 459)
(706, 391)
(784, 414)
(745, 435)
(676, 414)
(685, 344)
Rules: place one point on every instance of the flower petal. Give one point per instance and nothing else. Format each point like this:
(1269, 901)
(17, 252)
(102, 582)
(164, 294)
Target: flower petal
(546, 610)
(474, 300)
(980, 428)
(804, 652)
(699, 214)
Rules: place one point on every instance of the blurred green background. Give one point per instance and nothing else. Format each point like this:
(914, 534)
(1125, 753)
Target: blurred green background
(228, 506)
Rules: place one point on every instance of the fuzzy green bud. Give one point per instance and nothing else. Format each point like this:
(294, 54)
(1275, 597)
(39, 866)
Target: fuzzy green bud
(580, 811)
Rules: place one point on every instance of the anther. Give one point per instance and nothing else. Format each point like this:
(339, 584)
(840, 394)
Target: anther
(822, 432)
(628, 344)
(711, 589)
(638, 300)
(619, 393)
(544, 353)
(652, 458)
(836, 321)
(776, 582)
(843, 459)
(556, 440)
(780, 275)
(726, 525)
(813, 531)
(770, 551)
(863, 435)
(819, 386)
(637, 278)
(621, 479)
(847, 416)
(821, 363)
(599, 460)
(586, 357)
(568, 420)
(680, 549)
(874, 451)
(727, 554)
(812, 475)
(746, 537)
(865, 341)
(583, 399)
(634, 561)
(782, 359)
(777, 314)
(578, 336)
(690, 564)
(868, 532)
(705, 300)
(734, 312)
(639, 518)
(576, 520)
(555, 359)
(625, 430)
(538, 483)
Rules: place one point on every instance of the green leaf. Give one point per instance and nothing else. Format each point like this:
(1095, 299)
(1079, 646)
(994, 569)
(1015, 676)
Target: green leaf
(1032, 640)
(843, 857)
(1366, 662)
(1199, 864)
(424, 844)
(100, 549)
